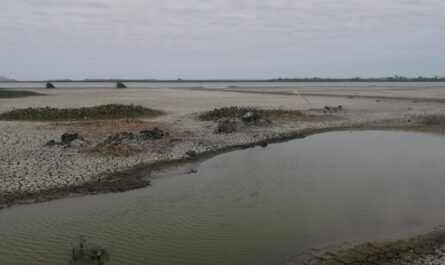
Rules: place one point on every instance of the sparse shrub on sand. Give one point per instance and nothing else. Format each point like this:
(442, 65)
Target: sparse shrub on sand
(109, 111)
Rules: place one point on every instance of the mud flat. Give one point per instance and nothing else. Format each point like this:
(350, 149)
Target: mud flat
(31, 171)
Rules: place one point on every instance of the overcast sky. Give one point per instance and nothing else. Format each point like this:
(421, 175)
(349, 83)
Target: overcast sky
(207, 39)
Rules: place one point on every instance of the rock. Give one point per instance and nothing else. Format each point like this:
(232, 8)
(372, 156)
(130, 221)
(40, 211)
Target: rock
(191, 153)
(78, 143)
(119, 138)
(67, 138)
(330, 109)
(51, 143)
(175, 141)
(263, 143)
(192, 171)
(226, 126)
(252, 118)
(154, 134)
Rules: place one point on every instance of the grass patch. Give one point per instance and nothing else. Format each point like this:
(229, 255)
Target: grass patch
(102, 112)
(239, 112)
(4, 93)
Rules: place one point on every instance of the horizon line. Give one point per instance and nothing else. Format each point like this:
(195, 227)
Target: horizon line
(279, 79)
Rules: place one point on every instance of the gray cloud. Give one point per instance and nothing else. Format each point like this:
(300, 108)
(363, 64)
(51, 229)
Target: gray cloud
(220, 38)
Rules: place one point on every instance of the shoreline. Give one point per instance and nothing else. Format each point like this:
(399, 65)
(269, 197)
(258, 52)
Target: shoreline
(425, 245)
(139, 175)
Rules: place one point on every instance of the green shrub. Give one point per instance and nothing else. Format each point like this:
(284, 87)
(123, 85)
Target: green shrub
(50, 85)
(109, 111)
(120, 85)
(239, 112)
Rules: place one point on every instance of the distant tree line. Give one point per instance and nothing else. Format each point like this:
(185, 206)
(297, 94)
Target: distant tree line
(5, 79)
(396, 78)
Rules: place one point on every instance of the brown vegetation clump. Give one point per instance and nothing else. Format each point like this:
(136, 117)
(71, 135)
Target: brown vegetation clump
(96, 130)
(124, 150)
(135, 134)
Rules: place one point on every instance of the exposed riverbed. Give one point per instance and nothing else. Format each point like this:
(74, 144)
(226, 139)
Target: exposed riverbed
(255, 206)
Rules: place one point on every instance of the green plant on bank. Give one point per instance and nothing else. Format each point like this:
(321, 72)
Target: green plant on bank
(109, 111)
(239, 112)
(5, 93)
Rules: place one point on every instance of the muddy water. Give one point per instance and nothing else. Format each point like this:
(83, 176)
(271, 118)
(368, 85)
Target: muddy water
(255, 206)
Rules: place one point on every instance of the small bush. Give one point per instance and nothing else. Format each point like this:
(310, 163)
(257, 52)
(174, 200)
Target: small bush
(50, 85)
(239, 112)
(4, 93)
(110, 111)
(120, 85)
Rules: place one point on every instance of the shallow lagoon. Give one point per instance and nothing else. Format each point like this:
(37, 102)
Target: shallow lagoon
(254, 206)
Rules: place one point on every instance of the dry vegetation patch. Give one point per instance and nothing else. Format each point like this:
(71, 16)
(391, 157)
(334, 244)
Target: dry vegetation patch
(98, 134)
(96, 130)
(124, 150)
